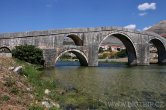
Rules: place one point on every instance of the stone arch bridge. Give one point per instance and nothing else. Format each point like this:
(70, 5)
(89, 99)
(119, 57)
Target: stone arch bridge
(87, 42)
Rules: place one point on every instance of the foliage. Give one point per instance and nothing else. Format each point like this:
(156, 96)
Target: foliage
(104, 55)
(28, 53)
(101, 50)
(53, 108)
(36, 108)
(113, 54)
(107, 54)
(122, 54)
(5, 98)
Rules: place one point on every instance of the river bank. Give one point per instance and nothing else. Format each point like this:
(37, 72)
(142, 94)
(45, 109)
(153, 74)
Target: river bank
(81, 88)
(14, 89)
(24, 90)
(28, 90)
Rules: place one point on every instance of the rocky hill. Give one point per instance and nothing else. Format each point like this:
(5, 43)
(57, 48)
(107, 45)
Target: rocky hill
(159, 28)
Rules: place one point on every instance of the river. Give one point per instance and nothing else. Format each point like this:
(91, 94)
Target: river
(118, 86)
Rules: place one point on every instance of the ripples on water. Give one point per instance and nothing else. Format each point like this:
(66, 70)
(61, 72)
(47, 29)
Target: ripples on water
(114, 82)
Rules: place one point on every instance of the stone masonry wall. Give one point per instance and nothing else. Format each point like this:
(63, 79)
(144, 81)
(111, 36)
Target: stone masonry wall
(51, 41)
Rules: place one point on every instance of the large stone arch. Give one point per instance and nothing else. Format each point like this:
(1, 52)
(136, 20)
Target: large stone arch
(77, 40)
(79, 54)
(128, 43)
(161, 49)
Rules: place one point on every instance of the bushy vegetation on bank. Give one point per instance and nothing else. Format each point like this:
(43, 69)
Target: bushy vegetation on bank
(28, 53)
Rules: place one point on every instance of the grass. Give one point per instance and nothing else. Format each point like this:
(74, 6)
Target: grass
(14, 90)
(36, 108)
(5, 98)
(9, 82)
(33, 74)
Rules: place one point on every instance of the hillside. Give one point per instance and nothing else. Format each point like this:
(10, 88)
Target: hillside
(159, 28)
(14, 89)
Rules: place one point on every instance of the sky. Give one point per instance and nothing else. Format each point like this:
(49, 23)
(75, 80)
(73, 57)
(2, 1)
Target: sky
(31, 15)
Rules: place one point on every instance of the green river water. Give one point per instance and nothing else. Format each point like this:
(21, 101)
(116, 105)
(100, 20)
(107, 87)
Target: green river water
(117, 86)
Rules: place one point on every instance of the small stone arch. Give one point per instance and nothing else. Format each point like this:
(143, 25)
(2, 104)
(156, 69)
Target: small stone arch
(161, 49)
(125, 39)
(77, 40)
(5, 52)
(79, 54)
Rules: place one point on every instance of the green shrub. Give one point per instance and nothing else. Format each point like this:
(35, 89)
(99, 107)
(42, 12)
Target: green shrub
(122, 54)
(35, 107)
(28, 53)
(5, 98)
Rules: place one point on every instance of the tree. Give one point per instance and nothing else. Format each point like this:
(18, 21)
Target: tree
(101, 50)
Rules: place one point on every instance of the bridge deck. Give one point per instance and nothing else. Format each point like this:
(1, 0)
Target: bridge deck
(68, 30)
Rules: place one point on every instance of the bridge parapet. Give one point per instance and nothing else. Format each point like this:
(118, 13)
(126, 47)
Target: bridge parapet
(63, 31)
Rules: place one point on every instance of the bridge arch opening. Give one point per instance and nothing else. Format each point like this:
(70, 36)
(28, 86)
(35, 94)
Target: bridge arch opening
(125, 50)
(157, 51)
(73, 55)
(5, 52)
(73, 39)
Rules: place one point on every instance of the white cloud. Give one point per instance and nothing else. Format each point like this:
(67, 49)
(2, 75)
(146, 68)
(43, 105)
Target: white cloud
(143, 14)
(131, 26)
(146, 28)
(147, 6)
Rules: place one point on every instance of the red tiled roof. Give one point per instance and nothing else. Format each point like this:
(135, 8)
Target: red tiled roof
(163, 35)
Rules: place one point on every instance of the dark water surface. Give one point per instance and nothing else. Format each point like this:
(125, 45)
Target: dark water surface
(118, 86)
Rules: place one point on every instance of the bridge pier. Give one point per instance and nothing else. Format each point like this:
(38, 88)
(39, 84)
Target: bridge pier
(49, 57)
(163, 62)
(162, 59)
(93, 55)
(143, 54)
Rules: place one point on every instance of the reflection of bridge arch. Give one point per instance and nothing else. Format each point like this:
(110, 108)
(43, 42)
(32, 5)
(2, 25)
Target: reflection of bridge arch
(161, 50)
(76, 39)
(79, 54)
(125, 39)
